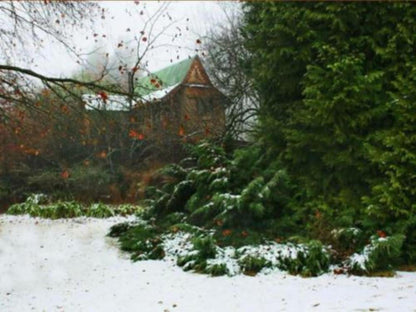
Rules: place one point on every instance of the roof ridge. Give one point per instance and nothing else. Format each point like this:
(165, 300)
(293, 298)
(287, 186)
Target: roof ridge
(166, 77)
(189, 59)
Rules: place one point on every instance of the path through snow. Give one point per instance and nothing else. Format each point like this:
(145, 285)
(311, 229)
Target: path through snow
(69, 265)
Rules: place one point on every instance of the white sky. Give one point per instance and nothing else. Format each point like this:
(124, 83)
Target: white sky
(193, 18)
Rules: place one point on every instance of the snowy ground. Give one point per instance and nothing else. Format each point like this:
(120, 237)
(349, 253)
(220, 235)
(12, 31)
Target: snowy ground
(69, 265)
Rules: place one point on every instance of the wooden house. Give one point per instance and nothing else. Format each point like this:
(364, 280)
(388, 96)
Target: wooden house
(176, 101)
(180, 99)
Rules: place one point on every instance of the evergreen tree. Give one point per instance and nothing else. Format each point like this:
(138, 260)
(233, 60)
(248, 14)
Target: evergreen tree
(335, 82)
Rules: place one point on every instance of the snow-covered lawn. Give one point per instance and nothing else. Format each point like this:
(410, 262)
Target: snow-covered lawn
(69, 265)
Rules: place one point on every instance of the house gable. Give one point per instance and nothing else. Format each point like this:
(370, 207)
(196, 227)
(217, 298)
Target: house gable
(197, 74)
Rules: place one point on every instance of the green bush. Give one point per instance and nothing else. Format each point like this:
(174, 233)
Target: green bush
(62, 210)
(100, 210)
(172, 219)
(383, 253)
(142, 241)
(127, 209)
(37, 205)
(345, 241)
(204, 248)
(216, 269)
(119, 229)
(317, 259)
(180, 195)
(408, 228)
(251, 265)
(311, 259)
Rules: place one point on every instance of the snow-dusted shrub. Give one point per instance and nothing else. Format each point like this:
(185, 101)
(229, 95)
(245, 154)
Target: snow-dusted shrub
(346, 241)
(29, 206)
(141, 240)
(382, 253)
(119, 229)
(36, 206)
(60, 210)
(205, 245)
(311, 259)
(217, 269)
(408, 228)
(180, 195)
(100, 210)
(317, 259)
(204, 248)
(205, 256)
(127, 209)
(252, 265)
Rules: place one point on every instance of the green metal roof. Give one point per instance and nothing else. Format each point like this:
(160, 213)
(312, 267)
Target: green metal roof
(166, 77)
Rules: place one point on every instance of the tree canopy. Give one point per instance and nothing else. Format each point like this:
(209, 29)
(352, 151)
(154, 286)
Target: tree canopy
(334, 79)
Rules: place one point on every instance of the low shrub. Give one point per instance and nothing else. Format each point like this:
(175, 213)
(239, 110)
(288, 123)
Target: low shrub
(317, 259)
(119, 229)
(251, 265)
(345, 241)
(127, 209)
(217, 269)
(311, 259)
(100, 210)
(29, 206)
(142, 241)
(61, 210)
(381, 254)
(38, 205)
(408, 228)
(251, 200)
(204, 248)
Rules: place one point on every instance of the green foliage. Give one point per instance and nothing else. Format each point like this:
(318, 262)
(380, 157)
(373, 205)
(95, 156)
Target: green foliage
(237, 237)
(204, 248)
(386, 252)
(311, 260)
(317, 259)
(220, 193)
(383, 253)
(100, 210)
(216, 269)
(337, 93)
(173, 171)
(208, 155)
(31, 204)
(34, 206)
(142, 241)
(119, 229)
(38, 205)
(180, 195)
(127, 209)
(251, 265)
(61, 210)
(345, 241)
(408, 228)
